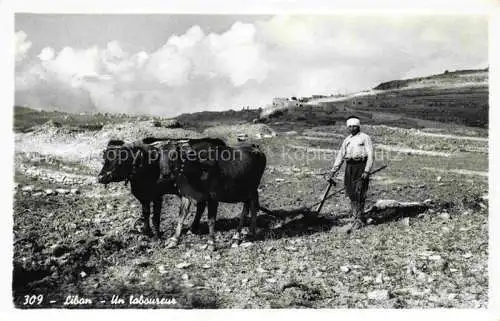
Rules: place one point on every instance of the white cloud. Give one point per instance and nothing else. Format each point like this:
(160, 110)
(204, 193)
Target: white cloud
(173, 63)
(192, 36)
(46, 54)
(234, 55)
(237, 55)
(169, 66)
(250, 63)
(22, 45)
(72, 64)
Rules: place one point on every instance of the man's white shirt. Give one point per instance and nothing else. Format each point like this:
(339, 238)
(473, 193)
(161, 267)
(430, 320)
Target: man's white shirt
(355, 147)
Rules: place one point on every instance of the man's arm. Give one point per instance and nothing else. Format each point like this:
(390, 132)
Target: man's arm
(339, 160)
(369, 153)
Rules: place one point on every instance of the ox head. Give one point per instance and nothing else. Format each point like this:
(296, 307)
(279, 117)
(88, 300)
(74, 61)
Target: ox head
(183, 159)
(168, 161)
(174, 155)
(121, 161)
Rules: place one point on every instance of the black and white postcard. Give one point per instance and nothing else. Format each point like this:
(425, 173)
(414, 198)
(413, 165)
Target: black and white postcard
(262, 160)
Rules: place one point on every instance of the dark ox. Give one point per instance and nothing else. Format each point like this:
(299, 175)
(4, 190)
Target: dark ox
(207, 171)
(139, 164)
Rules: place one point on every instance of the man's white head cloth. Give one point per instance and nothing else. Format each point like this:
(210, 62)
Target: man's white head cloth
(353, 122)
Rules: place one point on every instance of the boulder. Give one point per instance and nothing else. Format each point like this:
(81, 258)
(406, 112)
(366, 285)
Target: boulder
(242, 137)
(62, 191)
(345, 269)
(387, 210)
(28, 188)
(405, 221)
(378, 295)
(183, 265)
(444, 216)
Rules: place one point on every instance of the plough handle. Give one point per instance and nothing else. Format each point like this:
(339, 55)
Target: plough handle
(326, 196)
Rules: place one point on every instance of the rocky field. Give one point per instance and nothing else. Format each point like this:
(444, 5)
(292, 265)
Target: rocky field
(73, 237)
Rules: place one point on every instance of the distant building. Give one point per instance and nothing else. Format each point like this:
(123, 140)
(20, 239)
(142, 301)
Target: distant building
(285, 102)
(280, 101)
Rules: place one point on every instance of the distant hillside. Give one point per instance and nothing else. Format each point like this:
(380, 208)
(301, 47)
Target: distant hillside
(457, 97)
(204, 119)
(477, 77)
(26, 118)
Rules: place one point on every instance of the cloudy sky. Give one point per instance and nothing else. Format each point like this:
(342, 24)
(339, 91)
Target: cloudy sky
(170, 64)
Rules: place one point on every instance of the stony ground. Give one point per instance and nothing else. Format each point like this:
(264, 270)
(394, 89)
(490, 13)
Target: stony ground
(74, 237)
